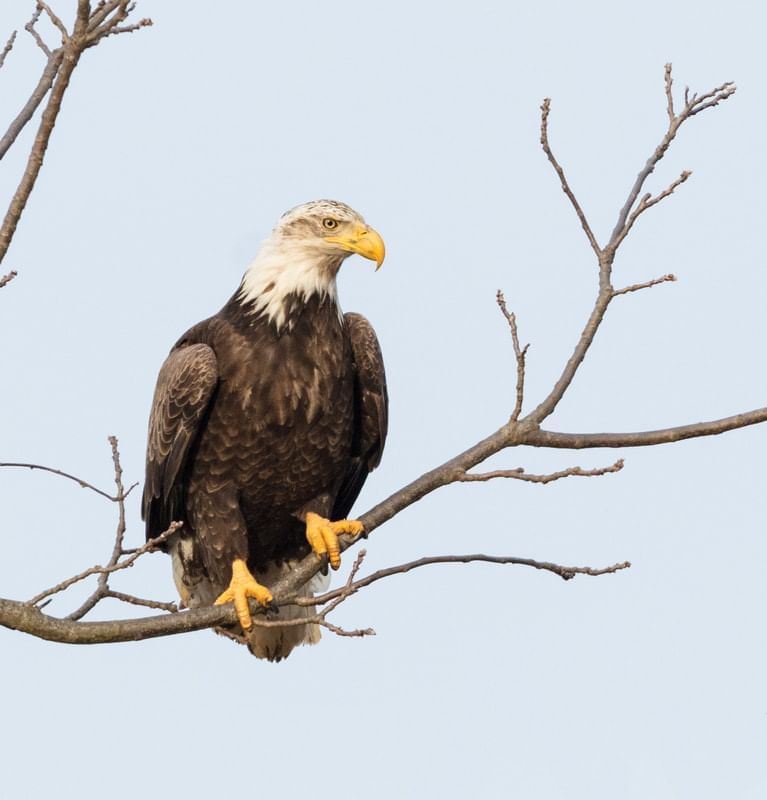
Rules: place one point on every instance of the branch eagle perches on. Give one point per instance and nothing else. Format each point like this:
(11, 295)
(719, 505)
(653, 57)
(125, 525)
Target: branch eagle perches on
(93, 25)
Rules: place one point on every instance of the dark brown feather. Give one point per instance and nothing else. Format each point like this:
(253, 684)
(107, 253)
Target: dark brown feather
(185, 385)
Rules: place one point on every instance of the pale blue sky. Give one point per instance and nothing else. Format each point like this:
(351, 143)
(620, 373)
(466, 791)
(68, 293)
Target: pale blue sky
(176, 151)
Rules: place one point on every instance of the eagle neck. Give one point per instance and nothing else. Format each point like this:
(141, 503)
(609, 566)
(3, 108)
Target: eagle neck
(286, 273)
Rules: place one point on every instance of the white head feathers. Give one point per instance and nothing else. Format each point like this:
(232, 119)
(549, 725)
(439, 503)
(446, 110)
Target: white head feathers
(297, 260)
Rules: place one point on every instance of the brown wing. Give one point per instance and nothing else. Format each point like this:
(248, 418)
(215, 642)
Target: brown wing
(371, 408)
(184, 389)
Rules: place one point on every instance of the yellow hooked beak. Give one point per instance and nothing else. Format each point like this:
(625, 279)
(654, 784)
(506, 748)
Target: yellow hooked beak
(365, 241)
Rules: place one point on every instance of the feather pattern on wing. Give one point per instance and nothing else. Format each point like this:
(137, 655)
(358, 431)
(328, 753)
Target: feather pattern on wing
(184, 389)
(371, 415)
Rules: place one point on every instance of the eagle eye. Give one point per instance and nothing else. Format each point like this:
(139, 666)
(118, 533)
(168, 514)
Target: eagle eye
(329, 223)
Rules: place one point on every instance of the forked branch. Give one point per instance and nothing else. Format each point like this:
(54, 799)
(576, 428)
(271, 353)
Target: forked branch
(54, 83)
(21, 615)
(545, 111)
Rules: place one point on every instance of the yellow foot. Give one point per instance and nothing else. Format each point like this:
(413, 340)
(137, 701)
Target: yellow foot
(243, 586)
(323, 534)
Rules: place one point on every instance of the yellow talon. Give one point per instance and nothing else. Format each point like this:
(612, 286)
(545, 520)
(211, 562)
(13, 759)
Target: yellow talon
(322, 535)
(243, 586)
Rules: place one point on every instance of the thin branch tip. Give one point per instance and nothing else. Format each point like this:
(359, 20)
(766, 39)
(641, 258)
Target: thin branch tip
(6, 279)
(518, 473)
(669, 278)
(520, 354)
(7, 49)
(545, 109)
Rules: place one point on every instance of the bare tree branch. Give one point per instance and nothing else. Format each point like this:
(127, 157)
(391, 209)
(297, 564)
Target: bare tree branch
(102, 25)
(102, 585)
(692, 106)
(55, 20)
(6, 279)
(114, 564)
(710, 99)
(648, 201)
(29, 619)
(635, 287)
(669, 93)
(520, 474)
(566, 573)
(79, 481)
(56, 77)
(100, 13)
(7, 49)
(172, 608)
(579, 441)
(142, 23)
(35, 162)
(27, 112)
(549, 404)
(520, 353)
(150, 546)
(32, 31)
(545, 109)
(626, 219)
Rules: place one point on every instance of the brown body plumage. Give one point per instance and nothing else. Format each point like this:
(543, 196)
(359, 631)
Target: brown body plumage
(258, 419)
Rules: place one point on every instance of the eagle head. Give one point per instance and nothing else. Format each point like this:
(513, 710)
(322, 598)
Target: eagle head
(303, 255)
(330, 230)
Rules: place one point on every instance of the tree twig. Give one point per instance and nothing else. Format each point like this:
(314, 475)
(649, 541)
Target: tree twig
(635, 287)
(566, 573)
(172, 608)
(520, 474)
(32, 31)
(79, 481)
(101, 12)
(669, 93)
(102, 585)
(648, 201)
(150, 546)
(7, 49)
(545, 110)
(101, 24)
(6, 279)
(55, 20)
(520, 354)
(116, 30)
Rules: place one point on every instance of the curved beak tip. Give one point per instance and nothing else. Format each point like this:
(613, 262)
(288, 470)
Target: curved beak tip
(376, 249)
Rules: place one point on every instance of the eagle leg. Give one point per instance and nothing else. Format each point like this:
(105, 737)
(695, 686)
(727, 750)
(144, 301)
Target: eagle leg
(243, 586)
(322, 535)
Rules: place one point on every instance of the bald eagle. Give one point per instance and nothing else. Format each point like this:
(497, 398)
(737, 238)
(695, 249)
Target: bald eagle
(266, 420)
